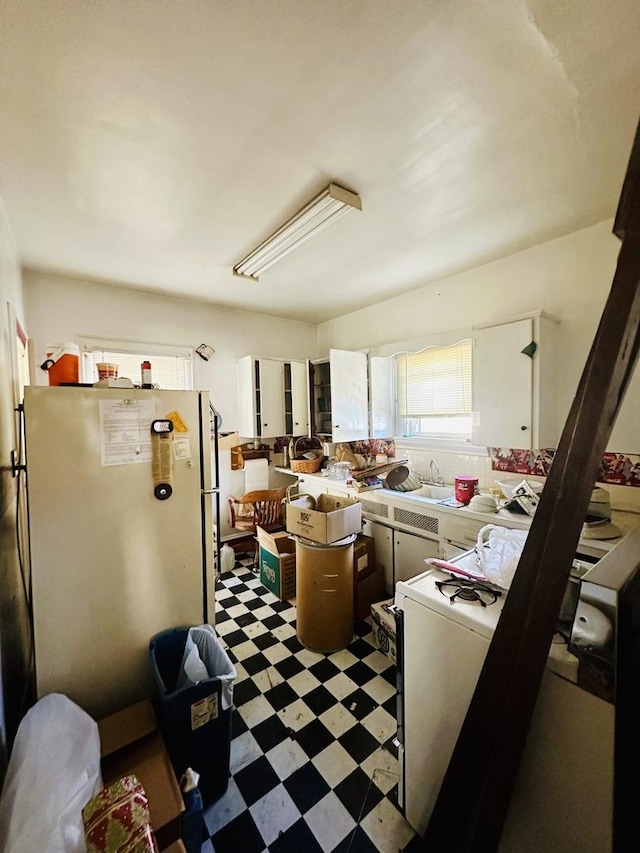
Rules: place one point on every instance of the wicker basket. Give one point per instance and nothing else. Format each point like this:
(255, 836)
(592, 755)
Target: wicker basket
(307, 466)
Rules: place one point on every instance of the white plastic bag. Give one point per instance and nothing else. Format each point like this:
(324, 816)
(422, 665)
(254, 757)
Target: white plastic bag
(193, 667)
(53, 772)
(498, 551)
(205, 658)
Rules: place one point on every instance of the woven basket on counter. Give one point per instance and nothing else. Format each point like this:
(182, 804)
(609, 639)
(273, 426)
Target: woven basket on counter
(300, 465)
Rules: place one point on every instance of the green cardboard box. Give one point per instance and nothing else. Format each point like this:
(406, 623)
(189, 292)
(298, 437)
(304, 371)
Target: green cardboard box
(277, 561)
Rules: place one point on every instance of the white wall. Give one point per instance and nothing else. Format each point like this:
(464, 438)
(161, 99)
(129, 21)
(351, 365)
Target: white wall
(14, 642)
(59, 309)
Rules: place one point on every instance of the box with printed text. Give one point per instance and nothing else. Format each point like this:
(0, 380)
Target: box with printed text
(333, 518)
(383, 624)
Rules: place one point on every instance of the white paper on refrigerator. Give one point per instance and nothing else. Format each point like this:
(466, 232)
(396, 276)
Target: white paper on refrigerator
(125, 431)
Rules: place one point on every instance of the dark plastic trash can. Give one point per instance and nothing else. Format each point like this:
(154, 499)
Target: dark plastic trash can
(193, 719)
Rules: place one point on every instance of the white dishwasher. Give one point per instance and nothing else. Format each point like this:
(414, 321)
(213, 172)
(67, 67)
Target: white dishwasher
(563, 798)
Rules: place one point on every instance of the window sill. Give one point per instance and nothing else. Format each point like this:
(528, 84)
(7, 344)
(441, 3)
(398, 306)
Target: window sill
(441, 444)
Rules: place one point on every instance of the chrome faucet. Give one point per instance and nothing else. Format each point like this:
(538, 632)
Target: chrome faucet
(434, 473)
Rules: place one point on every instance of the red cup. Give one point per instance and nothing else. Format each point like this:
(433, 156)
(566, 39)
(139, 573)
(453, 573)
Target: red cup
(465, 488)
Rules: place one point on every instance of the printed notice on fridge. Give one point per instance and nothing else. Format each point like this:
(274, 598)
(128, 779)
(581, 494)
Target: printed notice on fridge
(125, 431)
(181, 446)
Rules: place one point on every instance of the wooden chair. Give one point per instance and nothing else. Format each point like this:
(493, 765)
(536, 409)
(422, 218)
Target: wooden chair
(261, 508)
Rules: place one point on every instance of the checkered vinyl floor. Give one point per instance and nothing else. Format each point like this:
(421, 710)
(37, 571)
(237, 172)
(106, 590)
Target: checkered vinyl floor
(313, 764)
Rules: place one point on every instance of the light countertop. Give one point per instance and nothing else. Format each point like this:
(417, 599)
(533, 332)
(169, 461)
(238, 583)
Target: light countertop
(626, 521)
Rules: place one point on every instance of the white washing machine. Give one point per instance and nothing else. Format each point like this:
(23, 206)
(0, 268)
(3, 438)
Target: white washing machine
(563, 798)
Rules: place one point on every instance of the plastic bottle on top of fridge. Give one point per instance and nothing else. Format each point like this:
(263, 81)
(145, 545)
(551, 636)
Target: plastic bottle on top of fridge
(145, 369)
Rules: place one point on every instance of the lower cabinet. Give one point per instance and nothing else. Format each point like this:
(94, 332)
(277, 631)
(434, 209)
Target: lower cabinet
(458, 535)
(312, 487)
(402, 555)
(383, 538)
(409, 554)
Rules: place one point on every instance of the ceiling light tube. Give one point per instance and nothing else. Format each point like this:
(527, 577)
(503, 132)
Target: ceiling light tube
(321, 211)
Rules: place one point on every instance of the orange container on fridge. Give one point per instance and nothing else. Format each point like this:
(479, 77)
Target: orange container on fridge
(62, 363)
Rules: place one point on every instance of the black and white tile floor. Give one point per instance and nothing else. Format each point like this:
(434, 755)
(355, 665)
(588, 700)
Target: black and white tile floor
(313, 764)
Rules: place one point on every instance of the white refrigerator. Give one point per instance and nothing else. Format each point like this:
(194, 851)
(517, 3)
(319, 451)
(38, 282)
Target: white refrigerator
(120, 532)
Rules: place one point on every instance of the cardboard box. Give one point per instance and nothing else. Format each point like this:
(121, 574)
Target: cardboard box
(277, 561)
(131, 743)
(368, 577)
(332, 519)
(368, 591)
(364, 556)
(383, 625)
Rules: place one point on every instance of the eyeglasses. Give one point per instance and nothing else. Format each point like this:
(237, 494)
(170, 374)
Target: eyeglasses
(469, 591)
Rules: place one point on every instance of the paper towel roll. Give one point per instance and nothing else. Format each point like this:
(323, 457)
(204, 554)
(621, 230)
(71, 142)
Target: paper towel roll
(256, 474)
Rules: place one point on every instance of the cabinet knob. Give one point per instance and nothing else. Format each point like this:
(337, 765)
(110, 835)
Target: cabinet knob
(523, 427)
(337, 426)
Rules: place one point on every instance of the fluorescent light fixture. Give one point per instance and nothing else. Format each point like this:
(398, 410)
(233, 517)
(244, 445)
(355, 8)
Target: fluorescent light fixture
(324, 209)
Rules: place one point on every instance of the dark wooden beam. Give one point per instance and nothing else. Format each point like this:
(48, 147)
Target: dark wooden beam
(475, 794)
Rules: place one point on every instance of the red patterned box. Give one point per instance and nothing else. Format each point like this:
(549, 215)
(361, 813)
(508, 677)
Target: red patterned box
(116, 820)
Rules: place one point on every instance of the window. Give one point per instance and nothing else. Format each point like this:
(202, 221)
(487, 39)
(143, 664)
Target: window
(171, 367)
(434, 392)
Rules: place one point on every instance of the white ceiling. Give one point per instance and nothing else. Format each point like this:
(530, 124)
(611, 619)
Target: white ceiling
(152, 143)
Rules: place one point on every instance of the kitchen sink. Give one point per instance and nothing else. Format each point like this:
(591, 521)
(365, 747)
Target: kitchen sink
(434, 492)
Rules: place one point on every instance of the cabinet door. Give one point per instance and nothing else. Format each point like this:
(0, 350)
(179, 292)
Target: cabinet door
(246, 397)
(349, 396)
(382, 397)
(625, 437)
(409, 554)
(448, 550)
(300, 397)
(503, 386)
(271, 398)
(383, 538)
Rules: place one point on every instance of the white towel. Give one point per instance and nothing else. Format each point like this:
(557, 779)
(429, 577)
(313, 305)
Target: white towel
(256, 474)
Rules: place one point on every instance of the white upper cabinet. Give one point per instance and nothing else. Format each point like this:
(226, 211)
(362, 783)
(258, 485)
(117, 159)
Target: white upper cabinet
(273, 397)
(625, 437)
(296, 397)
(382, 398)
(270, 419)
(349, 394)
(514, 393)
(340, 396)
(247, 407)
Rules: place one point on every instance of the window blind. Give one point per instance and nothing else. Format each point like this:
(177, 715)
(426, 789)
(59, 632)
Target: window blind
(169, 372)
(435, 382)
